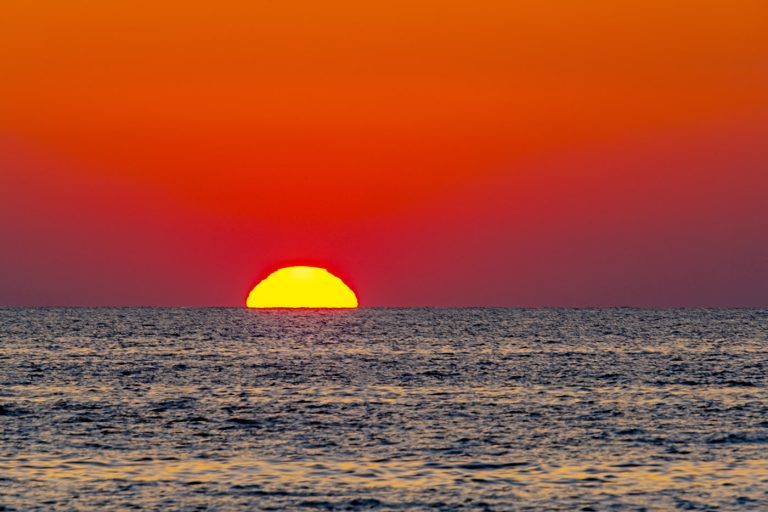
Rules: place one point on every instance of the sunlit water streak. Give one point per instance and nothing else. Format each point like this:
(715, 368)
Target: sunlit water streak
(476, 409)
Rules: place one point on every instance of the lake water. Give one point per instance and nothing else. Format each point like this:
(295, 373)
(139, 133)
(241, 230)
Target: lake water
(383, 409)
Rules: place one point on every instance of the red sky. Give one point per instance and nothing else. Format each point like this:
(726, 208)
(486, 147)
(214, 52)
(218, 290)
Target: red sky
(523, 153)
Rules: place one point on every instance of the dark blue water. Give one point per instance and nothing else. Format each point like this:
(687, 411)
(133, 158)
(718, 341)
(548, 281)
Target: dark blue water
(382, 409)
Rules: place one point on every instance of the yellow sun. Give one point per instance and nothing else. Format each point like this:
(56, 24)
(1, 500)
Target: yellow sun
(301, 287)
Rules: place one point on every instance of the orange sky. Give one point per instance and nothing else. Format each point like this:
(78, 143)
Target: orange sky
(353, 132)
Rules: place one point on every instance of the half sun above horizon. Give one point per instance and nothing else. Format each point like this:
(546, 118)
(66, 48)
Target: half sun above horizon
(301, 287)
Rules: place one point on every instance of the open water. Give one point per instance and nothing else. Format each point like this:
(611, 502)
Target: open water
(383, 409)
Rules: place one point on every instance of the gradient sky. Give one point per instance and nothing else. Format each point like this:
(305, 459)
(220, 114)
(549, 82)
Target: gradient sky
(510, 153)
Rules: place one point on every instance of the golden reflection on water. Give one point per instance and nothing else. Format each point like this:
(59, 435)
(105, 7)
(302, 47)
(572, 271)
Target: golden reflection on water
(411, 475)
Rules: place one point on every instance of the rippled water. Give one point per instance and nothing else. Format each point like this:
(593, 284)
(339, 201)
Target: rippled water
(475, 409)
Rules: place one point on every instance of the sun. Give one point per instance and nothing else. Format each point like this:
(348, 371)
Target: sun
(301, 287)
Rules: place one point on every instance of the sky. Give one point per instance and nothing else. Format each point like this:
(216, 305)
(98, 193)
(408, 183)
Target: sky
(432, 153)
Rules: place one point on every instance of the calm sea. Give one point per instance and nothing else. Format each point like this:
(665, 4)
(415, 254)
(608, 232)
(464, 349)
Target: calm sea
(383, 409)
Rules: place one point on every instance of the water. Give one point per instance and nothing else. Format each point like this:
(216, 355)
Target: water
(373, 409)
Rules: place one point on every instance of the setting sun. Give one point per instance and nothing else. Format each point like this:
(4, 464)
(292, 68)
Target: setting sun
(301, 287)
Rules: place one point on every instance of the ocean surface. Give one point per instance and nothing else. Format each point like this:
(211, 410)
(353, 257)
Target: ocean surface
(383, 409)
